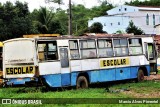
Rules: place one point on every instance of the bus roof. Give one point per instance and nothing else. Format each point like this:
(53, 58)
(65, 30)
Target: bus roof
(41, 35)
(91, 37)
(17, 39)
(109, 36)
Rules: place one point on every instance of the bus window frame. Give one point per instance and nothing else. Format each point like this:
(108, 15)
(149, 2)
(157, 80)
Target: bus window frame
(74, 49)
(98, 48)
(83, 49)
(121, 47)
(135, 46)
(47, 44)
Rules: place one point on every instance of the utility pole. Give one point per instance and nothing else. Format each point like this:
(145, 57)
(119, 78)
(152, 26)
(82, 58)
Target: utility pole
(70, 19)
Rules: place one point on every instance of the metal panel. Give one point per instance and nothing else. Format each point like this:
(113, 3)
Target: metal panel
(107, 75)
(90, 64)
(134, 61)
(122, 73)
(94, 76)
(102, 75)
(62, 43)
(18, 81)
(75, 65)
(19, 51)
(134, 72)
(66, 80)
(53, 80)
(138, 60)
(148, 39)
(49, 68)
(73, 78)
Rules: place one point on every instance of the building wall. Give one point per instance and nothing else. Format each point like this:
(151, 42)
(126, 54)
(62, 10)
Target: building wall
(117, 21)
(139, 19)
(157, 30)
(122, 9)
(111, 24)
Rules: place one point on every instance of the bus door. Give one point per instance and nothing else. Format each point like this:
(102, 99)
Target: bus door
(65, 70)
(151, 55)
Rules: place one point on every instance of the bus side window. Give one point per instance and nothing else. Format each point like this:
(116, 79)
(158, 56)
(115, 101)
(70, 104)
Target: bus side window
(41, 51)
(88, 48)
(150, 50)
(135, 46)
(105, 48)
(52, 51)
(47, 51)
(74, 50)
(121, 47)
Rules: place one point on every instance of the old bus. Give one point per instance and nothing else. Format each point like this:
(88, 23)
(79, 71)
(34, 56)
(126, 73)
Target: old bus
(78, 61)
(1, 72)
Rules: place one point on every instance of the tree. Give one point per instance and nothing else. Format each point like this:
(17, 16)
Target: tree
(55, 1)
(80, 16)
(55, 27)
(143, 3)
(96, 28)
(97, 11)
(44, 17)
(134, 29)
(62, 18)
(45, 21)
(41, 20)
(69, 14)
(119, 32)
(14, 20)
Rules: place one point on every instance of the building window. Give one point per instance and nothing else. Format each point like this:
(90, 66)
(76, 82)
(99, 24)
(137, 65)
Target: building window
(118, 23)
(104, 24)
(119, 9)
(125, 9)
(111, 24)
(147, 19)
(153, 19)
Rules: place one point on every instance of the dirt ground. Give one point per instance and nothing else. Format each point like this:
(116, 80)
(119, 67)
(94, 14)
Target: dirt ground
(152, 94)
(142, 95)
(152, 77)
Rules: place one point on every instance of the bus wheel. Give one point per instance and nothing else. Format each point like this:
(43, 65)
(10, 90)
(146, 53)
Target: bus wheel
(82, 82)
(140, 76)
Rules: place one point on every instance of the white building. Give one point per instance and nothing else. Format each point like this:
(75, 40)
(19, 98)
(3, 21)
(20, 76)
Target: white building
(157, 29)
(119, 17)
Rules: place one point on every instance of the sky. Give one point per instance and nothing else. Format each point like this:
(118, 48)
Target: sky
(36, 4)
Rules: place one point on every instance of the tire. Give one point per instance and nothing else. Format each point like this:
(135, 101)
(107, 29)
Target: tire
(140, 76)
(81, 82)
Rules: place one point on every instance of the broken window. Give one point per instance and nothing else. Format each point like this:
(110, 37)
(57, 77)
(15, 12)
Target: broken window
(47, 50)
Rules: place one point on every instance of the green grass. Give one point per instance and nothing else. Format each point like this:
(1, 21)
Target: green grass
(116, 90)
